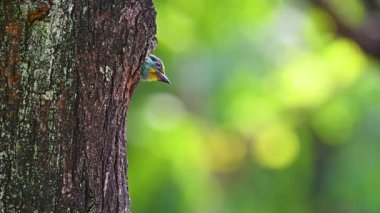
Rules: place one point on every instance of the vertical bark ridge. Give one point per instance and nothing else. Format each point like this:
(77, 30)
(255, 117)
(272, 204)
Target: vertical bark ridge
(37, 79)
(68, 70)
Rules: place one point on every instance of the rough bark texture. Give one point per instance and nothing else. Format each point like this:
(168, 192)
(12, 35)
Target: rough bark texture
(67, 72)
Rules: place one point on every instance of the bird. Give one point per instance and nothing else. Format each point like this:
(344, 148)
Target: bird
(153, 69)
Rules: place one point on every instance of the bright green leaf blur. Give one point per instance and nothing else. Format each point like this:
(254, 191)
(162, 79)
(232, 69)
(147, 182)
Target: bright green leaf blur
(268, 111)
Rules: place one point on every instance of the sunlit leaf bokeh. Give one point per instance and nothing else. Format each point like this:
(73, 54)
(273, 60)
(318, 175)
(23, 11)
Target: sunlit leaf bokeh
(268, 111)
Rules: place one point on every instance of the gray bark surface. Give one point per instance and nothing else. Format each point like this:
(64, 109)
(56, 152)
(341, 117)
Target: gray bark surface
(67, 73)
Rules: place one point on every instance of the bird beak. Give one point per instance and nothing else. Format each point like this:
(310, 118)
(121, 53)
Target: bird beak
(163, 77)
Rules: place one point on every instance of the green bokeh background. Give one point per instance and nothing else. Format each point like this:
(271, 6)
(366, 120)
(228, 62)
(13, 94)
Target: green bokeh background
(268, 111)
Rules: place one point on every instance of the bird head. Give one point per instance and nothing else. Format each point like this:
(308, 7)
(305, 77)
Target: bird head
(153, 69)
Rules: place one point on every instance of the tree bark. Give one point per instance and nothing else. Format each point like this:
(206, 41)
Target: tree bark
(67, 73)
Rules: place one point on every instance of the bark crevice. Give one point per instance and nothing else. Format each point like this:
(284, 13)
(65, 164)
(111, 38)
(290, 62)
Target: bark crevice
(68, 70)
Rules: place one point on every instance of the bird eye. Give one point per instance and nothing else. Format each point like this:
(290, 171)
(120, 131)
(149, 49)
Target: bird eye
(158, 65)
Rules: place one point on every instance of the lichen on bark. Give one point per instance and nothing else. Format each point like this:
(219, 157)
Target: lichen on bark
(67, 72)
(33, 81)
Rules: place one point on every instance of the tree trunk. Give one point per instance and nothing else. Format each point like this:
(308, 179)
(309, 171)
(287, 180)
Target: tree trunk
(67, 72)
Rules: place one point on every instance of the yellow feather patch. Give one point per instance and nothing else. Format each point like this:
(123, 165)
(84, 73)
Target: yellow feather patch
(152, 76)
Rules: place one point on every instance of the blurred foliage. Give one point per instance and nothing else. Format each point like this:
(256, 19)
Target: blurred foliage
(268, 111)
